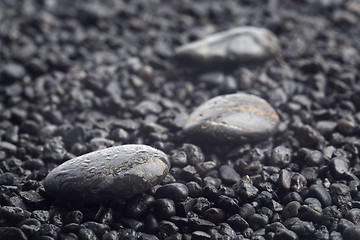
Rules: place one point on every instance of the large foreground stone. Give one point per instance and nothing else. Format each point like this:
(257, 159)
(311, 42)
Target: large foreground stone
(108, 174)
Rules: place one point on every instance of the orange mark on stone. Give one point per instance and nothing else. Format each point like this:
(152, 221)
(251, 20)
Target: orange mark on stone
(242, 108)
(274, 115)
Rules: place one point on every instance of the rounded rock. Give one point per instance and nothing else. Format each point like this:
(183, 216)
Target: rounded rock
(164, 208)
(175, 191)
(230, 48)
(12, 233)
(352, 233)
(280, 157)
(108, 174)
(233, 118)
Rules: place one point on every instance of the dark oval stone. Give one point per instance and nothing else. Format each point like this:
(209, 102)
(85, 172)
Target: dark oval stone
(175, 191)
(139, 205)
(280, 157)
(164, 208)
(351, 233)
(12, 233)
(108, 174)
(291, 210)
(321, 193)
(233, 117)
(228, 174)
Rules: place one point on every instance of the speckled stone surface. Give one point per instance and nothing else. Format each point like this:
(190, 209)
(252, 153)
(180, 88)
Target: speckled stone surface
(232, 117)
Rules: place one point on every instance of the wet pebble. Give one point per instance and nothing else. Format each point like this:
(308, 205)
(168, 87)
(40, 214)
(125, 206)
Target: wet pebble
(339, 165)
(200, 224)
(178, 159)
(353, 215)
(245, 189)
(139, 205)
(201, 205)
(194, 154)
(215, 215)
(109, 174)
(12, 233)
(175, 191)
(314, 158)
(228, 174)
(11, 72)
(257, 221)
(230, 48)
(311, 210)
(291, 210)
(195, 190)
(280, 157)
(285, 179)
(321, 193)
(75, 216)
(85, 233)
(168, 227)
(283, 233)
(232, 118)
(352, 233)
(164, 208)
(200, 235)
(237, 222)
(229, 204)
(340, 193)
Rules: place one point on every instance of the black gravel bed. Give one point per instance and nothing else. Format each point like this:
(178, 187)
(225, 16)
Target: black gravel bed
(79, 76)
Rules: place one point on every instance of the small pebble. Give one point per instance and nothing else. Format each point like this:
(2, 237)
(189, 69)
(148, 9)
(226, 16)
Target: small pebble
(178, 159)
(200, 235)
(257, 221)
(311, 210)
(353, 215)
(237, 222)
(175, 191)
(164, 208)
(236, 117)
(245, 189)
(193, 153)
(109, 174)
(228, 204)
(280, 157)
(321, 193)
(11, 72)
(285, 179)
(291, 210)
(195, 190)
(139, 205)
(85, 233)
(228, 174)
(200, 224)
(215, 215)
(12, 233)
(167, 227)
(351, 233)
(314, 158)
(339, 165)
(340, 194)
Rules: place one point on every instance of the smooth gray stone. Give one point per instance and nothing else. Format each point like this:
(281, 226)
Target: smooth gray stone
(108, 174)
(230, 48)
(235, 117)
